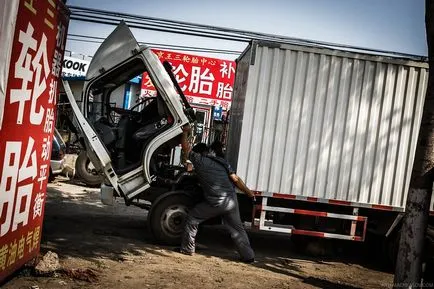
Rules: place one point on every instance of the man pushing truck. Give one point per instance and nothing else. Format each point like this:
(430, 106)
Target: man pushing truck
(217, 180)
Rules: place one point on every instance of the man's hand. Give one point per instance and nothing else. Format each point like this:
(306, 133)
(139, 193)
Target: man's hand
(186, 147)
(186, 128)
(238, 182)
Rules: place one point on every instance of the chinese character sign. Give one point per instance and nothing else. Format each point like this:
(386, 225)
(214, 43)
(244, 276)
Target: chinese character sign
(36, 45)
(203, 80)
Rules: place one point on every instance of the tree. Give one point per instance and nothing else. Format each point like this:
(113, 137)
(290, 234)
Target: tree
(408, 271)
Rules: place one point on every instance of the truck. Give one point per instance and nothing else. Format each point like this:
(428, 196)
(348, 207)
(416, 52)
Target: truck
(326, 138)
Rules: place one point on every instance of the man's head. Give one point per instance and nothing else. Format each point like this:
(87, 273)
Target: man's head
(201, 148)
(217, 148)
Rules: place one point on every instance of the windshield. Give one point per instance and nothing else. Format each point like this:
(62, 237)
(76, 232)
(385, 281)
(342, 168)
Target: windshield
(119, 91)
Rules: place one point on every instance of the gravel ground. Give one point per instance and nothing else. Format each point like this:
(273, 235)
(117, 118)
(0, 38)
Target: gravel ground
(109, 247)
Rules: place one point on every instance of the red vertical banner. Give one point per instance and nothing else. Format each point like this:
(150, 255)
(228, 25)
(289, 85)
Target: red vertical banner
(27, 125)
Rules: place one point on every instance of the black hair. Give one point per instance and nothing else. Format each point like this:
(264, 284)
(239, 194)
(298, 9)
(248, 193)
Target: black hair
(217, 147)
(200, 148)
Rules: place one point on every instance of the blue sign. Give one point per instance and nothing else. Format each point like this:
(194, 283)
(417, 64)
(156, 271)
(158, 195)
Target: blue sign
(127, 96)
(136, 80)
(218, 113)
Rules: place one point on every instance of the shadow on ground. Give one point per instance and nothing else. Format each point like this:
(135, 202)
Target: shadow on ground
(82, 227)
(79, 226)
(276, 253)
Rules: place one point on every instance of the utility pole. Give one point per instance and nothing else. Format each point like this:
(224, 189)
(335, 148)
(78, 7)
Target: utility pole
(408, 271)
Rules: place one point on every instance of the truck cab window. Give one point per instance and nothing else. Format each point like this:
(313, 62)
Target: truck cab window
(123, 119)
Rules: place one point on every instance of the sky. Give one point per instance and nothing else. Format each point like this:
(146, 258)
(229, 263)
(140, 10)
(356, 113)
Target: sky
(392, 25)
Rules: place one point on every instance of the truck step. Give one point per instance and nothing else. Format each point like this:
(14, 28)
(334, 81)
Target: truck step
(132, 184)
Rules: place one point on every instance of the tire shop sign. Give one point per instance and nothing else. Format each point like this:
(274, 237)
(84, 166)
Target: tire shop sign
(32, 44)
(74, 67)
(204, 80)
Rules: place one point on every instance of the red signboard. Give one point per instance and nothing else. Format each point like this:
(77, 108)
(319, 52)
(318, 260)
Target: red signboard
(203, 80)
(28, 108)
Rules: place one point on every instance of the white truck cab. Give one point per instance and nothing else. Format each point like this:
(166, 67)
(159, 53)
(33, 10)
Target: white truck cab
(131, 148)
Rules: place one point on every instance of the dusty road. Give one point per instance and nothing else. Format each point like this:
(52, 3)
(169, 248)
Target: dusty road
(115, 244)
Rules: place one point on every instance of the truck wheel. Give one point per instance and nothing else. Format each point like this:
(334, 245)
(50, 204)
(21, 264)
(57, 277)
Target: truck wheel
(86, 171)
(166, 218)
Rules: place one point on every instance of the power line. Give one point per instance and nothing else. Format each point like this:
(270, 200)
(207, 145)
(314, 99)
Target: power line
(222, 33)
(165, 27)
(91, 11)
(200, 34)
(95, 39)
(159, 44)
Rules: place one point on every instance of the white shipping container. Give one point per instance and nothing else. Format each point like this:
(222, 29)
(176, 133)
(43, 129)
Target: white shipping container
(324, 123)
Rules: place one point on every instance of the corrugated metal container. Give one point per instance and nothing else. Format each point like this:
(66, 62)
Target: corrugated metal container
(324, 123)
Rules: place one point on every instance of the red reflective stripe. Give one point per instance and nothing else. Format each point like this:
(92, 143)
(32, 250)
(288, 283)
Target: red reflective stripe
(310, 213)
(358, 238)
(284, 196)
(308, 233)
(382, 207)
(361, 218)
(329, 201)
(337, 202)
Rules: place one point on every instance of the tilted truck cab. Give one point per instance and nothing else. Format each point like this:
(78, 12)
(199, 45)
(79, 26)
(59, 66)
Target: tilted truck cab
(133, 148)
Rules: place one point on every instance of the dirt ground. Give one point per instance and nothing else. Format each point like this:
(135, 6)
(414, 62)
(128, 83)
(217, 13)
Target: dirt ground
(113, 242)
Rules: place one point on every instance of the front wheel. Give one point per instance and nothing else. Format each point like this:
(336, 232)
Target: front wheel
(86, 171)
(167, 217)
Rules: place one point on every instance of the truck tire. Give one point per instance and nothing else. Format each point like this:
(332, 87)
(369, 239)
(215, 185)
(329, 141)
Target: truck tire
(84, 171)
(166, 218)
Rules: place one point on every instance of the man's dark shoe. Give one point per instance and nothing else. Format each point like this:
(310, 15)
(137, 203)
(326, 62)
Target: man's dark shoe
(180, 250)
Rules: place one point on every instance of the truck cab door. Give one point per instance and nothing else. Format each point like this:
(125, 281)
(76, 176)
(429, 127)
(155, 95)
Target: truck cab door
(118, 60)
